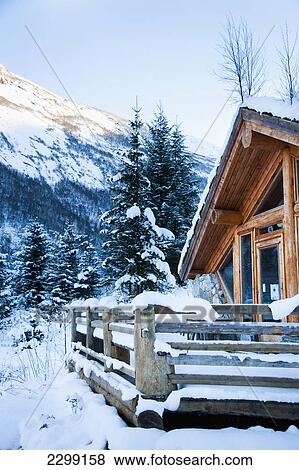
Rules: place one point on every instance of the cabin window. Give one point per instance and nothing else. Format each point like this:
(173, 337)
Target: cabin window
(246, 269)
(226, 274)
(271, 228)
(273, 197)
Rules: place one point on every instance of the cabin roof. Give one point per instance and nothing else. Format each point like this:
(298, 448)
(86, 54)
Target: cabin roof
(235, 172)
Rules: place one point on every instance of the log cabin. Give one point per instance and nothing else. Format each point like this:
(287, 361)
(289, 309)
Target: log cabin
(247, 225)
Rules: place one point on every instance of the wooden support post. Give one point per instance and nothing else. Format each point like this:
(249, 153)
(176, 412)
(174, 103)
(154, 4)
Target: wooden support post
(108, 317)
(89, 330)
(152, 370)
(291, 285)
(74, 334)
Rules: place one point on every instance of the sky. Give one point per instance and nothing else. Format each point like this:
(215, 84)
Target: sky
(108, 51)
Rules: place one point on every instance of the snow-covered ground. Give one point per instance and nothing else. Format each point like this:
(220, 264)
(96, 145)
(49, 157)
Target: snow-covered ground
(42, 406)
(71, 416)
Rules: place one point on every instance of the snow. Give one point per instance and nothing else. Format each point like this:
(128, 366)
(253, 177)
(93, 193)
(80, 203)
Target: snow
(284, 307)
(133, 212)
(122, 339)
(182, 303)
(164, 233)
(68, 415)
(255, 438)
(150, 216)
(73, 417)
(135, 439)
(36, 124)
(108, 301)
(274, 106)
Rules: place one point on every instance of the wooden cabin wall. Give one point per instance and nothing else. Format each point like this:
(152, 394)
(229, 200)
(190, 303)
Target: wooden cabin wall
(288, 214)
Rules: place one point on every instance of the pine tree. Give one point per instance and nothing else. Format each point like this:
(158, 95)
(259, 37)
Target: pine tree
(5, 290)
(135, 262)
(88, 278)
(31, 282)
(66, 267)
(160, 169)
(183, 195)
(172, 194)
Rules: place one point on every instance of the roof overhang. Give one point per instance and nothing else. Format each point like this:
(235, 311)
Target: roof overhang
(254, 138)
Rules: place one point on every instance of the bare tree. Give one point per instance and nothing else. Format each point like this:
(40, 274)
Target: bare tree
(289, 64)
(241, 62)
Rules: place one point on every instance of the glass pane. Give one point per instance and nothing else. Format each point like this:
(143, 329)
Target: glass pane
(226, 273)
(271, 228)
(246, 269)
(270, 288)
(273, 197)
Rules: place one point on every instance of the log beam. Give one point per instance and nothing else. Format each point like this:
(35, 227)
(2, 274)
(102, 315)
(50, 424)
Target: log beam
(226, 217)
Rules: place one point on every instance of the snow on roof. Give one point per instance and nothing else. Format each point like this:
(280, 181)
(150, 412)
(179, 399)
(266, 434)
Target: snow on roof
(262, 104)
(274, 106)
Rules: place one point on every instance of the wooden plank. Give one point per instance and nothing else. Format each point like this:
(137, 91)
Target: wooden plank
(97, 323)
(250, 346)
(290, 249)
(113, 396)
(109, 348)
(274, 409)
(121, 328)
(276, 127)
(221, 360)
(234, 380)
(121, 366)
(289, 329)
(89, 330)
(74, 319)
(241, 309)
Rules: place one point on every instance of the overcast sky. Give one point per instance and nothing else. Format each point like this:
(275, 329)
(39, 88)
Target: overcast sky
(108, 51)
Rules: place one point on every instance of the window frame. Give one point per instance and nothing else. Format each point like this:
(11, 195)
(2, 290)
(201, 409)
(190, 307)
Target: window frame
(220, 278)
(252, 241)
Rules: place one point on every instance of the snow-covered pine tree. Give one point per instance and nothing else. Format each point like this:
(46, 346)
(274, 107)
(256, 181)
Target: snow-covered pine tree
(172, 194)
(31, 284)
(127, 188)
(5, 291)
(160, 169)
(134, 261)
(88, 278)
(183, 194)
(65, 268)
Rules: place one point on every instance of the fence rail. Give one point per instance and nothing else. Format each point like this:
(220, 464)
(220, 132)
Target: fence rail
(142, 349)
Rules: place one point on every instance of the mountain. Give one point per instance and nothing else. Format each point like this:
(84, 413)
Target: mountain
(56, 157)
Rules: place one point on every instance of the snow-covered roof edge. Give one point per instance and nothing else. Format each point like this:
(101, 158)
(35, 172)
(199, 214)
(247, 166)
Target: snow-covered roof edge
(261, 105)
(205, 193)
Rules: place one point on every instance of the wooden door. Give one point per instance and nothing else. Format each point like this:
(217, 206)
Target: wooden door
(269, 283)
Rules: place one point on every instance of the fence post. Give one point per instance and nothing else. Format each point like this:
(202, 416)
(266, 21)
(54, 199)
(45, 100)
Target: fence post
(89, 330)
(151, 369)
(108, 317)
(74, 315)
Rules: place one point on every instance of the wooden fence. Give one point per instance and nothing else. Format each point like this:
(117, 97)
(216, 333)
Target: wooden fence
(129, 345)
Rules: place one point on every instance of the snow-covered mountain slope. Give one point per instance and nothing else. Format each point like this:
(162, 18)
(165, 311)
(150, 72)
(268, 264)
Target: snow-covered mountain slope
(56, 156)
(45, 136)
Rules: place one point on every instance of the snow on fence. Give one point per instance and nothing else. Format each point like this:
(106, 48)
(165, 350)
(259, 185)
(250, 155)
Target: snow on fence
(147, 354)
